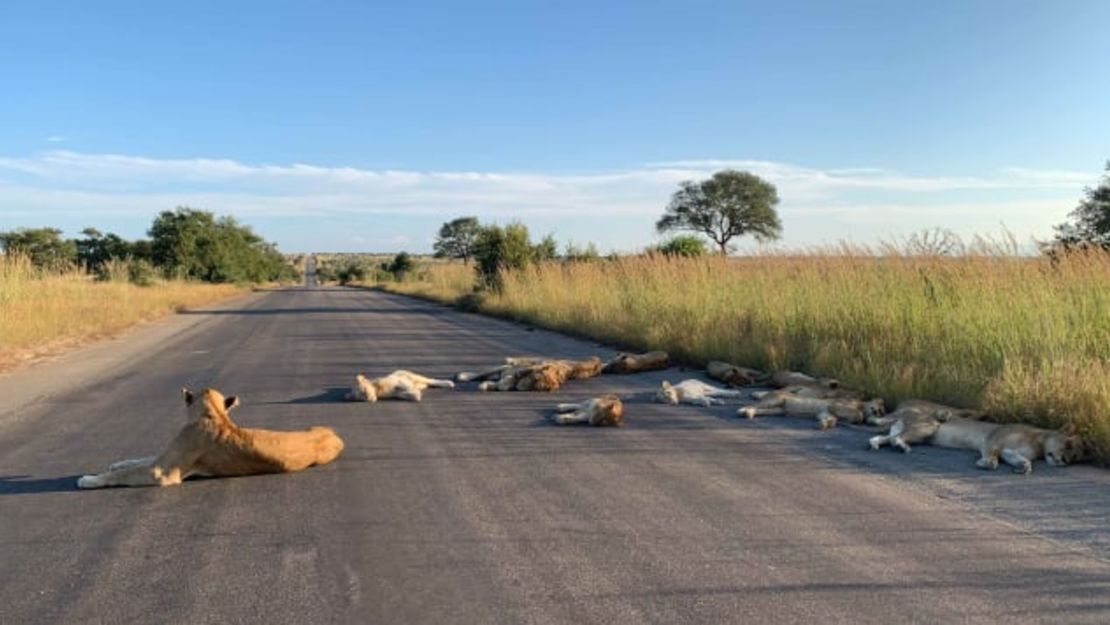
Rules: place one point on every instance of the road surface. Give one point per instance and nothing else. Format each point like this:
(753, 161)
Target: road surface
(470, 508)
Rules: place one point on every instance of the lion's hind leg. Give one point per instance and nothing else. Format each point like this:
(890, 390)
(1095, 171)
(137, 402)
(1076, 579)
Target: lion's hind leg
(568, 407)
(140, 475)
(570, 418)
(132, 462)
(769, 407)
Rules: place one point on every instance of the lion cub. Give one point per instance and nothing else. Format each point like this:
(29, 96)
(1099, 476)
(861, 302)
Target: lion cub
(400, 384)
(828, 412)
(211, 444)
(599, 411)
(694, 392)
(637, 363)
(734, 375)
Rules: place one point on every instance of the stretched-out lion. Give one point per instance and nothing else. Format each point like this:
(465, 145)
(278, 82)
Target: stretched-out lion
(400, 384)
(734, 375)
(534, 374)
(606, 410)
(637, 363)
(212, 445)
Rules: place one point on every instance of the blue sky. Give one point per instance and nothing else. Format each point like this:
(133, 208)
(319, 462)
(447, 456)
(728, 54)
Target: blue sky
(362, 126)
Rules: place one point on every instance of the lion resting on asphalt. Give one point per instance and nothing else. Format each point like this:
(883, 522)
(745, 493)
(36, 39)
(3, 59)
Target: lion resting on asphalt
(827, 412)
(782, 379)
(400, 384)
(734, 375)
(637, 363)
(694, 392)
(1017, 445)
(533, 374)
(212, 445)
(599, 411)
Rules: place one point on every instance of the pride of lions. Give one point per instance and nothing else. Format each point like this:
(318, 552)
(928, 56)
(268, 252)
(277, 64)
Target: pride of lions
(212, 445)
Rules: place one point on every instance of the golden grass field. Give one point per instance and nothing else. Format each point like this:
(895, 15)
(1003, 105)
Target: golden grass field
(1022, 337)
(43, 313)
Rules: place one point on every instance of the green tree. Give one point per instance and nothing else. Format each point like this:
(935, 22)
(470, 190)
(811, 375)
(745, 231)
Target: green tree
(687, 245)
(456, 239)
(498, 249)
(190, 243)
(574, 254)
(96, 249)
(727, 205)
(402, 263)
(1090, 223)
(547, 249)
(44, 246)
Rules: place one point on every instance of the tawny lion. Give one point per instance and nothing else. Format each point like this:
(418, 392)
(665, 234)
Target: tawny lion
(827, 412)
(495, 373)
(212, 445)
(547, 376)
(637, 363)
(782, 379)
(599, 411)
(733, 375)
(694, 392)
(1016, 444)
(400, 384)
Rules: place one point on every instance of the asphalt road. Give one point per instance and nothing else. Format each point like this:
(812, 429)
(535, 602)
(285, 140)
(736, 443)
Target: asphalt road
(470, 508)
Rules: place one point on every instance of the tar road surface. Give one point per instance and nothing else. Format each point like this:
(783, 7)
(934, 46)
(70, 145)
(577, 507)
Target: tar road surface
(471, 508)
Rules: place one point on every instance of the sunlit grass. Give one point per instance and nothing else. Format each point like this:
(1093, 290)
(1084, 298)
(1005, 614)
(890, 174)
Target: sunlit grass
(42, 313)
(1024, 337)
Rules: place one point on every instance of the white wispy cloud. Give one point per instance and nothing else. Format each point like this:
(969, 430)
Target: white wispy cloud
(55, 139)
(832, 203)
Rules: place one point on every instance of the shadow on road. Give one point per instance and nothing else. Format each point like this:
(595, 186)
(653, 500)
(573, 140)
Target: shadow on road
(24, 485)
(332, 395)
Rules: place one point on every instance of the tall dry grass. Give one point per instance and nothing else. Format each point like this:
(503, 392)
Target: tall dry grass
(45, 312)
(1025, 338)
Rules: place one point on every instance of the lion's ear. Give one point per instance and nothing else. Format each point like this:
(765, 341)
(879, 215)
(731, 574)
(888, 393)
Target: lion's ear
(1068, 429)
(187, 395)
(231, 402)
(666, 384)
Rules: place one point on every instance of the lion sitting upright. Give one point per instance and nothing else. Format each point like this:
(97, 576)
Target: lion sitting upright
(212, 445)
(400, 384)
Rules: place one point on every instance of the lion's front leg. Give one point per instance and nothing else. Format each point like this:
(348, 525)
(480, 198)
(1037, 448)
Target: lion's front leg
(568, 407)
(140, 475)
(1015, 459)
(569, 418)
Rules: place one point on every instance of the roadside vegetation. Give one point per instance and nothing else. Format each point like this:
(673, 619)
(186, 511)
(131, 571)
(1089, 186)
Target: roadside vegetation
(47, 311)
(57, 292)
(1024, 337)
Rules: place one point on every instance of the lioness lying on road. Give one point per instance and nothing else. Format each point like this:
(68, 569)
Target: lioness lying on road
(546, 375)
(734, 375)
(637, 363)
(827, 411)
(782, 379)
(212, 445)
(1016, 444)
(400, 384)
(694, 392)
(495, 373)
(599, 411)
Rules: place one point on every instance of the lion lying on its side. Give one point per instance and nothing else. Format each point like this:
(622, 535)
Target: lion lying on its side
(211, 444)
(1016, 444)
(733, 375)
(533, 374)
(827, 411)
(637, 363)
(694, 392)
(400, 384)
(599, 411)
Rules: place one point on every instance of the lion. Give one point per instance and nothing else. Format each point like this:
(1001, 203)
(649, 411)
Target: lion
(694, 392)
(913, 421)
(733, 375)
(637, 363)
(400, 384)
(782, 379)
(606, 410)
(1019, 445)
(813, 391)
(544, 376)
(212, 445)
(828, 412)
(511, 362)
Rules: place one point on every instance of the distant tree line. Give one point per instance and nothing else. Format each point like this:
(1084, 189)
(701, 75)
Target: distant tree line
(184, 243)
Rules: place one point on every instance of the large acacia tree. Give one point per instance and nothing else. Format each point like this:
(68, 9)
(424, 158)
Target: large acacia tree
(456, 239)
(727, 205)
